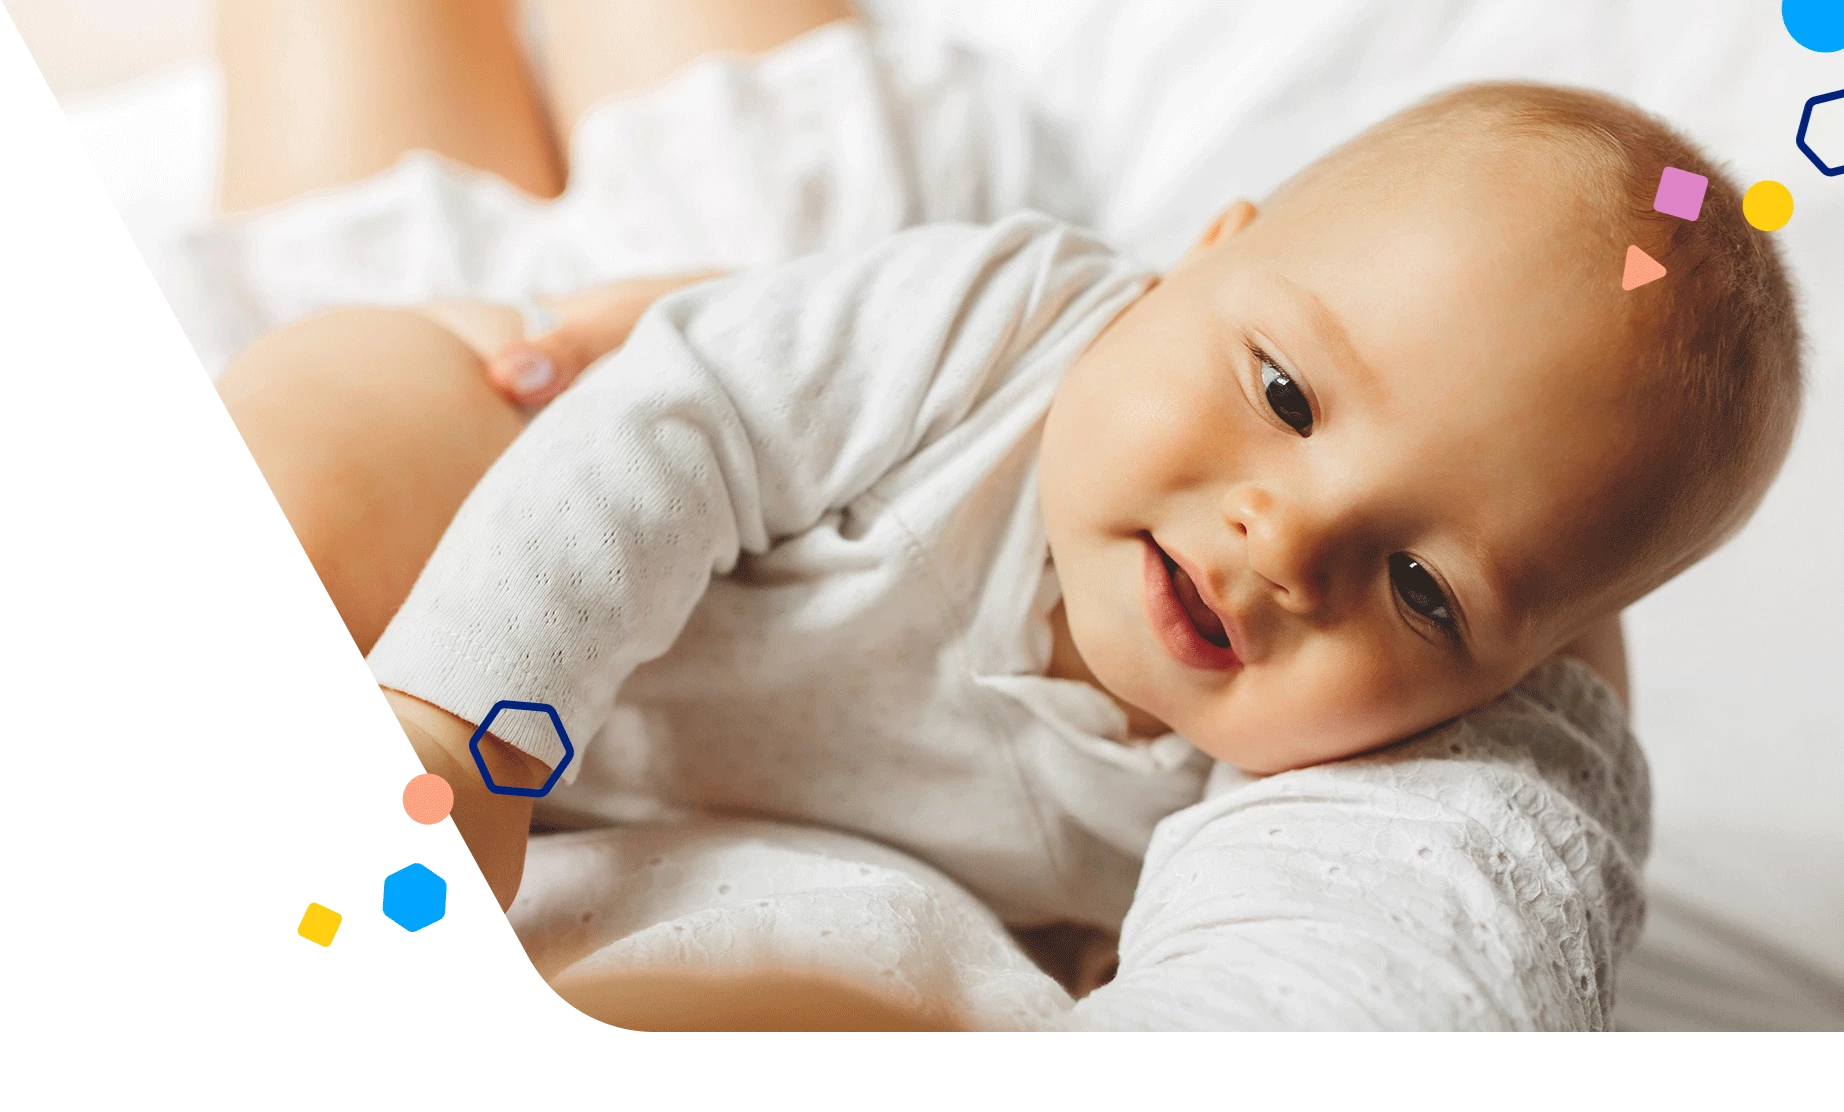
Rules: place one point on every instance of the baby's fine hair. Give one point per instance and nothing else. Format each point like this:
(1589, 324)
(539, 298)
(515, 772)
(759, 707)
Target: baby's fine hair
(1718, 339)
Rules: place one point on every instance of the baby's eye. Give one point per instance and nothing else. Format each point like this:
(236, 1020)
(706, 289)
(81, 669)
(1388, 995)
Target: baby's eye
(1418, 590)
(1286, 399)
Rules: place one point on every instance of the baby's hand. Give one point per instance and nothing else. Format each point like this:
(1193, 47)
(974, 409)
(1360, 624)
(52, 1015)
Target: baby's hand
(531, 371)
(494, 826)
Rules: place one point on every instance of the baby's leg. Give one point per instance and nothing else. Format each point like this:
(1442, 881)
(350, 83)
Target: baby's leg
(371, 426)
(323, 92)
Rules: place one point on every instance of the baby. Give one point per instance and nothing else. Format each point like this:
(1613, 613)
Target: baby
(982, 542)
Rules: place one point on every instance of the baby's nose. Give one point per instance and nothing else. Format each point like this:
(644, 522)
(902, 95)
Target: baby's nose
(1286, 546)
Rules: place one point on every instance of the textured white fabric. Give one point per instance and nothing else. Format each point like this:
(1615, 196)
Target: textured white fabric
(824, 143)
(1482, 877)
(799, 507)
(726, 895)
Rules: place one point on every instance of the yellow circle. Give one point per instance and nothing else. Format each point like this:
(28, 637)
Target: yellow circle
(1768, 205)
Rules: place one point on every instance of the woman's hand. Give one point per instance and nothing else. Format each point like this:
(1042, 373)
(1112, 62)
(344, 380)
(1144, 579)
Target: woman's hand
(531, 371)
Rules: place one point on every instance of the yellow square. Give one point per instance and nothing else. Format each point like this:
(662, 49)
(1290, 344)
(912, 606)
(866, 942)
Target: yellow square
(319, 924)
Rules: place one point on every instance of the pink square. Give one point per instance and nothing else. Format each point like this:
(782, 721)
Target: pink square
(1680, 193)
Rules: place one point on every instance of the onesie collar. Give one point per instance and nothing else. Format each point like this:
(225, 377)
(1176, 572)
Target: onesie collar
(1082, 715)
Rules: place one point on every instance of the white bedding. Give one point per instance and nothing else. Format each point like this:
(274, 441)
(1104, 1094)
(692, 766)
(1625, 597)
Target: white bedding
(1168, 110)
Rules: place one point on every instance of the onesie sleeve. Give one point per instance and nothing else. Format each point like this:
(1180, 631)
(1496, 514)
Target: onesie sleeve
(1484, 876)
(740, 412)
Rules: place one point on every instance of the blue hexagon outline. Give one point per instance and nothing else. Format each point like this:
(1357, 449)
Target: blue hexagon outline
(433, 875)
(1805, 119)
(480, 731)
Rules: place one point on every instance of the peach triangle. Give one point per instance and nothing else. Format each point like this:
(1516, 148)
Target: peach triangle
(1640, 269)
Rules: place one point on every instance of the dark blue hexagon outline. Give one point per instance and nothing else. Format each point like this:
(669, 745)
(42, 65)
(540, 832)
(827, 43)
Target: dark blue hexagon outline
(473, 746)
(1805, 119)
(409, 869)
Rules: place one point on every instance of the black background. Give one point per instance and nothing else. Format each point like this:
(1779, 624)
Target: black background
(207, 683)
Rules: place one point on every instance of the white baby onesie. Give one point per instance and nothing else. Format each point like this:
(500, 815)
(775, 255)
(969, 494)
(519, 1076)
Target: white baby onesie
(781, 553)
(782, 556)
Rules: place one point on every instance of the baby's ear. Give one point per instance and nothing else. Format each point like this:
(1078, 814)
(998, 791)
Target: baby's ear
(1228, 222)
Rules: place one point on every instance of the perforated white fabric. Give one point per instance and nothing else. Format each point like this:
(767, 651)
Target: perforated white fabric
(797, 512)
(1483, 877)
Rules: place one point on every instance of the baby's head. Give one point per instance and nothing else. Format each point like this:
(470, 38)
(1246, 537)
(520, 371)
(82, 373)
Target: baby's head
(1404, 433)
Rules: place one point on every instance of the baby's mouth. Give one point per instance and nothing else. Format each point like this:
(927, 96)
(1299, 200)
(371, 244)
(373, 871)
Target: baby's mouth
(1209, 626)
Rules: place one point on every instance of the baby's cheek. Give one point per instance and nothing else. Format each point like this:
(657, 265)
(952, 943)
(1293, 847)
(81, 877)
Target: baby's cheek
(1343, 696)
(1149, 424)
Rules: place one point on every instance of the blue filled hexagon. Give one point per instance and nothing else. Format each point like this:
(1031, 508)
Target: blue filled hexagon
(1821, 159)
(414, 897)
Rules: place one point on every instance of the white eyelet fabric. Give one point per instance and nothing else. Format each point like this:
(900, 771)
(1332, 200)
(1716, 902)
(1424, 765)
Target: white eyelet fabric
(1482, 877)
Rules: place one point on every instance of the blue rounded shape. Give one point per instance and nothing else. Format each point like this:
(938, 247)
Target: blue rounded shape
(414, 897)
(1815, 24)
(480, 762)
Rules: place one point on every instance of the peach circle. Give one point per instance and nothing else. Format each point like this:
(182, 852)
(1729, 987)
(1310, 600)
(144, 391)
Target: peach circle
(428, 798)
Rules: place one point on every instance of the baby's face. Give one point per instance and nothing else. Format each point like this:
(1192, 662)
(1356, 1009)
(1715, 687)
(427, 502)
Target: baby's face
(1343, 473)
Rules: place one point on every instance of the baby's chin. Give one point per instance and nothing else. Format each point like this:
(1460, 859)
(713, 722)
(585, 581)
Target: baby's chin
(1260, 757)
(1241, 722)
(1262, 740)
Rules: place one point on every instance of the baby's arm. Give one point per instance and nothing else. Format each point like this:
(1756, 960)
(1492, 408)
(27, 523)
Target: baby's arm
(494, 827)
(739, 412)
